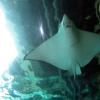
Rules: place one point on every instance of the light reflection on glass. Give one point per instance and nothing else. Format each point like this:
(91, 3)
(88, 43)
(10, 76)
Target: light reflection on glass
(42, 31)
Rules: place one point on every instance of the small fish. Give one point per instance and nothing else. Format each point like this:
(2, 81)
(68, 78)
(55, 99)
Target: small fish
(69, 49)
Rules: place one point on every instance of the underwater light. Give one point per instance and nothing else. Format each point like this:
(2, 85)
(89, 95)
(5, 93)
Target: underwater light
(7, 47)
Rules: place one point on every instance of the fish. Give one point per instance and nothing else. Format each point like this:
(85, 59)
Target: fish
(69, 49)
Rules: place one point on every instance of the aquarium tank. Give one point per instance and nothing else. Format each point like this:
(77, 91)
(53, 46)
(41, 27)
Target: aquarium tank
(49, 50)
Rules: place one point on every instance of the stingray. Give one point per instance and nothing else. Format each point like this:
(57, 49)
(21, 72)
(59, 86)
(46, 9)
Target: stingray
(69, 49)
